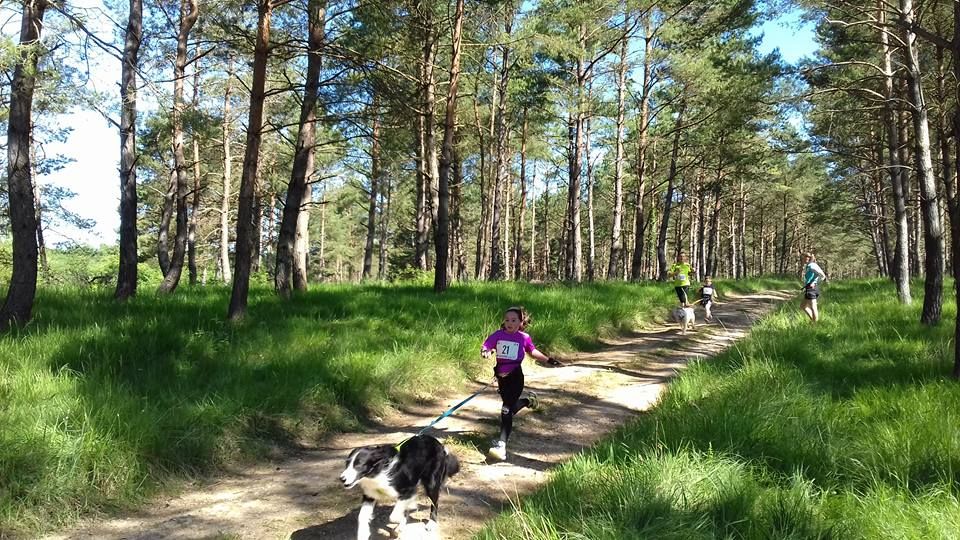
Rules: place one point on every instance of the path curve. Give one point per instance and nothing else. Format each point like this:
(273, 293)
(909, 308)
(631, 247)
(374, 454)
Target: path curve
(300, 497)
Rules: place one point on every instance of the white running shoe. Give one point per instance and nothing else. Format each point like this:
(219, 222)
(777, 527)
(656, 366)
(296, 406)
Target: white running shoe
(498, 451)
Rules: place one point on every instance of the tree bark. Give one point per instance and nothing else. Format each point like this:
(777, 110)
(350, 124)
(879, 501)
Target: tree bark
(591, 222)
(522, 203)
(188, 17)
(195, 201)
(573, 268)
(245, 223)
(616, 246)
(901, 257)
(18, 306)
(226, 273)
(373, 194)
(127, 272)
(933, 234)
(643, 119)
(501, 176)
(442, 238)
(298, 189)
(668, 199)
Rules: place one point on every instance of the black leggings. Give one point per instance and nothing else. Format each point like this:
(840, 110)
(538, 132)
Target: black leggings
(510, 387)
(682, 293)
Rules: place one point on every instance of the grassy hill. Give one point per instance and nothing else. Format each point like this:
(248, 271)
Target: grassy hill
(102, 404)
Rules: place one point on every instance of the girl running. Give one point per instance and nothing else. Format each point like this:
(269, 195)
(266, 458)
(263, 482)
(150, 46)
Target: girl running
(510, 344)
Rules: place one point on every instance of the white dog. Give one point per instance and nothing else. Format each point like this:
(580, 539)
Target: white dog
(685, 317)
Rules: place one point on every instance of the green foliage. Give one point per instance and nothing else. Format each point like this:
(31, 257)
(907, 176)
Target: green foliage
(102, 403)
(840, 430)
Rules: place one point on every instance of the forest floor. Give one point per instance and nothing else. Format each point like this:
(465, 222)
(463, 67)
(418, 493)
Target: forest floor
(300, 496)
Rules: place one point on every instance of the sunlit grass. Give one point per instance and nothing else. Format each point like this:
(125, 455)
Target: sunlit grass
(844, 430)
(102, 403)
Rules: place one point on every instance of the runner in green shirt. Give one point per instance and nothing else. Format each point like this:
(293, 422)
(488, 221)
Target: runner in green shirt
(680, 273)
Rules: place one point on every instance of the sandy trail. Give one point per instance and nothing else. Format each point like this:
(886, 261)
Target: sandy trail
(301, 498)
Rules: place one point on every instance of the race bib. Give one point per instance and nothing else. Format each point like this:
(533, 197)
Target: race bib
(681, 277)
(708, 291)
(508, 350)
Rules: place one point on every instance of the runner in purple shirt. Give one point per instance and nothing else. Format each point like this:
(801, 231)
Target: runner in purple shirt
(510, 344)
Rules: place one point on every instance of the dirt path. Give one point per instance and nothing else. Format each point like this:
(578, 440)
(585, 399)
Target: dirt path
(301, 498)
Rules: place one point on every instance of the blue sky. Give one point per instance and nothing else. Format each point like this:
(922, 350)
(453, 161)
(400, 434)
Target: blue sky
(94, 143)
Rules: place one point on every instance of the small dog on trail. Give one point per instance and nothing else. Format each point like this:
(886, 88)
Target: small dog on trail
(685, 317)
(388, 473)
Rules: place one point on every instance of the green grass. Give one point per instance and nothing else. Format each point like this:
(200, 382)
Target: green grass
(103, 404)
(849, 429)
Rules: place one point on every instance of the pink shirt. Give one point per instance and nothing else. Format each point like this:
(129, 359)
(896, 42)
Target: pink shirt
(509, 348)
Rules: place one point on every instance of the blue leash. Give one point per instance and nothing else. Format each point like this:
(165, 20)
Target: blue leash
(447, 413)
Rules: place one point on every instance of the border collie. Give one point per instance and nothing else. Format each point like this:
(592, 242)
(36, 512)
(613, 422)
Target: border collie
(686, 318)
(387, 474)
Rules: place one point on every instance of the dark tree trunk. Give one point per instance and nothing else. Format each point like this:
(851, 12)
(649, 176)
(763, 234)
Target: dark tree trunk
(900, 270)
(18, 306)
(502, 169)
(933, 234)
(522, 203)
(171, 278)
(636, 264)
(245, 223)
(616, 230)
(668, 198)
(127, 273)
(299, 186)
(442, 238)
(373, 195)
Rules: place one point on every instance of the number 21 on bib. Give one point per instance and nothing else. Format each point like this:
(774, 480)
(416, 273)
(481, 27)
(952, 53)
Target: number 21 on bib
(508, 350)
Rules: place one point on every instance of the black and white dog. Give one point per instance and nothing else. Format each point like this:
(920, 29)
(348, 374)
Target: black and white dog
(388, 474)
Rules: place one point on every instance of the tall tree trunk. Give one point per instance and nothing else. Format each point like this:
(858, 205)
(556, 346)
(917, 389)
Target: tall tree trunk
(386, 189)
(616, 246)
(591, 230)
(573, 269)
(226, 273)
(194, 214)
(501, 176)
(712, 242)
(373, 194)
(427, 194)
(933, 234)
(195, 200)
(643, 119)
(166, 215)
(188, 17)
(483, 228)
(521, 204)
(953, 197)
(898, 172)
(127, 272)
(532, 263)
(456, 204)
(668, 199)
(298, 188)
(442, 239)
(18, 306)
(251, 159)
(301, 244)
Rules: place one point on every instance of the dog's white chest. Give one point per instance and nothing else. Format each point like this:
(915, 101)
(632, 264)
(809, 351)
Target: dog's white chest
(379, 488)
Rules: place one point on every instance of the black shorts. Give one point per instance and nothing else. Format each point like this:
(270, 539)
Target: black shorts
(683, 293)
(811, 293)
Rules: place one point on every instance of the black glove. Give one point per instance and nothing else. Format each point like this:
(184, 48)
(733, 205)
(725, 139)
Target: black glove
(551, 361)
